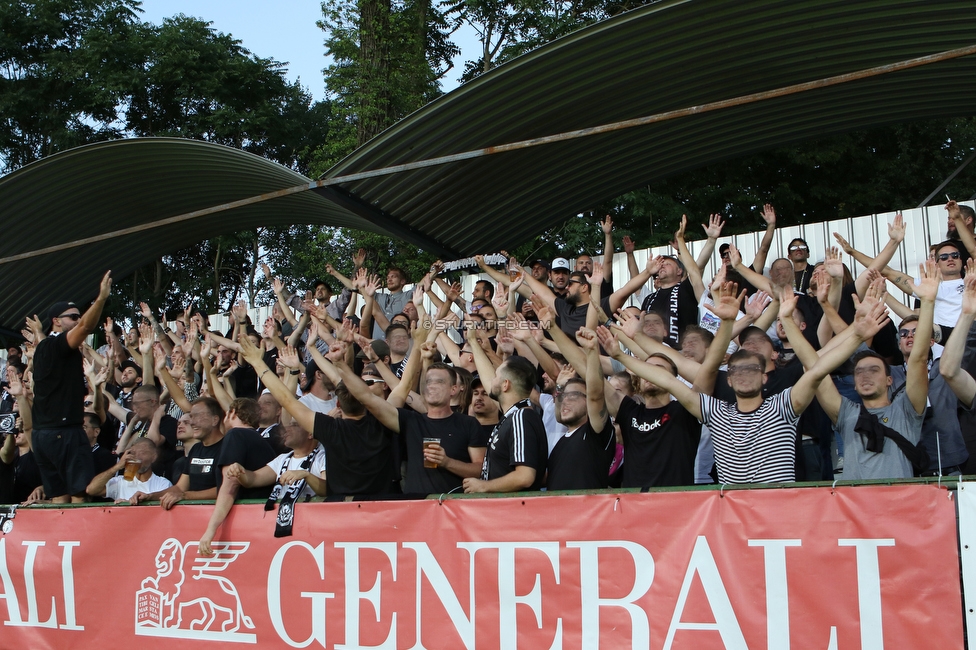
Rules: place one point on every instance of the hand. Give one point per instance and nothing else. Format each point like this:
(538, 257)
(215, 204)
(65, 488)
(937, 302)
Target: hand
(596, 278)
(822, 280)
(266, 270)
(146, 338)
(968, 294)
(727, 301)
(146, 311)
(359, 279)
(36, 328)
(871, 314)
(418, 294)
(179, 368)
(927, 288)
(629, 322)
(514, 286)
(292, 476)
(159, 359)
(346, 333)
(428, 351)
(607, 225)
(713, 229)
(329, 269)
(204, 544)
(434, 453)
(679, 235)
(35, 496)
(205, 347)
(505, 343)
(359, 259)
(169, 499)
(629, 244)
(896, 231)
(278, 286)
(368, 350)
(105, 288)
(500, 300)
(289, 358)
(474, 486)
(735, 258)
(102, 377)
(542, 310)
(521, 331)
(843, 243)
(372, 286)
(586, 339)
(250, 352)
(720, 277)
(609, 342)
(654, 264)
(14, 386)
(954, 212)
(313, 333)
(337, 353)
(138, 498)
(235, 470)
(453, 292)
(833, 263)
(240, 312)
(769, 215)
(787, 304)
(757, 303)
(109, 327)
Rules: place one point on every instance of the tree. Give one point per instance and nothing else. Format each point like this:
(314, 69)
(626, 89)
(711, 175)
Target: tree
(65, 67)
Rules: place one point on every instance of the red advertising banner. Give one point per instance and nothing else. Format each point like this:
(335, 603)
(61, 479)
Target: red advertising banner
(866, 567)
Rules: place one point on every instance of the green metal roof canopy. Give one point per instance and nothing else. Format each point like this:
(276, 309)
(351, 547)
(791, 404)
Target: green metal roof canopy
(662, 57)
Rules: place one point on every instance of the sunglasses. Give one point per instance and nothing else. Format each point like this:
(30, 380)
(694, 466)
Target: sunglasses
(946, 256)
(575, 282)
(799, 248)
(370, 382)
(77, 316)
(904, 334)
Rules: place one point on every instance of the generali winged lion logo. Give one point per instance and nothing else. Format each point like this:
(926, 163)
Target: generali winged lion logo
(190, 598)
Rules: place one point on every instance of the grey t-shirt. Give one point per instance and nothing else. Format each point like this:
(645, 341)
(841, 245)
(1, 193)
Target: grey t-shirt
(391, 304)
(859, 463)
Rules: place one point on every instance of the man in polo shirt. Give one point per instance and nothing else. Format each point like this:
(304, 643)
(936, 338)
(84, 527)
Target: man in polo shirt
(59, 441)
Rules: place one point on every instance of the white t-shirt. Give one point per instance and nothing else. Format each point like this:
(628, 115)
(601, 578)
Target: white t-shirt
(119, 488)
(317, 404)
(948, 302)
(554, 430)
(295, 462)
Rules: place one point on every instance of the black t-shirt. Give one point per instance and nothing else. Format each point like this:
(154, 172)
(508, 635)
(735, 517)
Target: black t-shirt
(19, 479)
(245, 381)
(59, 384)
(104, 458)
(572, 317)
(201, 466)
(679, 303)
(659, 444)
(456, 432)
(247, 447)
(358, 454)
(519, 439)
(484, 434)
(179, 468)
(581, 460)
(273, 435)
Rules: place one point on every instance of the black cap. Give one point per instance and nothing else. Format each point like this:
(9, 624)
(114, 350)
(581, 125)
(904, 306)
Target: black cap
(59, 308)
(129, 363)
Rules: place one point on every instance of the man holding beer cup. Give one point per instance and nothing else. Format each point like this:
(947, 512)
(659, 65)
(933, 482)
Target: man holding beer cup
(137, 475)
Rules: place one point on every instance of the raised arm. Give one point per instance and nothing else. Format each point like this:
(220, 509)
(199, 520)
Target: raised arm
(619, 297)
(965, 235)
(286, 311)
(607, 226)
(959, 380)
(596, 406)
(870, 317)
(726, 307)
(692, 269)
(713, 230)
(757, 280)
(769, 216)
(917, 367)
(92, 316)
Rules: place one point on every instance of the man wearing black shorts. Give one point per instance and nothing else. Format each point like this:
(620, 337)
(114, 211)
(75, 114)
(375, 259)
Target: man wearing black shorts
(60, 444)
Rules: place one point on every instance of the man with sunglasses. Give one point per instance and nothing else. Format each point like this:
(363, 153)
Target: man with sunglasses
(798, 252)
(63, 454)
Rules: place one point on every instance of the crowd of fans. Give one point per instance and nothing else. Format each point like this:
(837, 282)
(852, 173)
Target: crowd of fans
(542, 378)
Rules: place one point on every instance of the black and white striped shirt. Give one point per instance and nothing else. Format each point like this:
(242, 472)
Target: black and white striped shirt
(754, 447)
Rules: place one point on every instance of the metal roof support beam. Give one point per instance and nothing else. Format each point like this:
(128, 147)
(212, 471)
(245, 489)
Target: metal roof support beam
(385, 221)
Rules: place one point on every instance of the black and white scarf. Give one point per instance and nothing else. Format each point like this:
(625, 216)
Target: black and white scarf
(288, 494)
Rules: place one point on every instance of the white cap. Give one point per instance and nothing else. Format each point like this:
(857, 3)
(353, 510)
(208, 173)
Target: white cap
(560, 263)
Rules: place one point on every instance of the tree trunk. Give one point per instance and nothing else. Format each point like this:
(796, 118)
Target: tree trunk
(375, 109)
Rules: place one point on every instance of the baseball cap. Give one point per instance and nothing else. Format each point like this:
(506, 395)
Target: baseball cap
(560, 263)
(538, 262)
(380, 347)
(129, 363)
(59, 308)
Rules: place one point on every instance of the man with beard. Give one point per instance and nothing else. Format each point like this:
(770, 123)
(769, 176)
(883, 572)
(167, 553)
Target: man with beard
(581, 459)
(798, 252)
(517, 449)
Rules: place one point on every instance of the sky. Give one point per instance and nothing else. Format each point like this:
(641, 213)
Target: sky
(283, 30)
